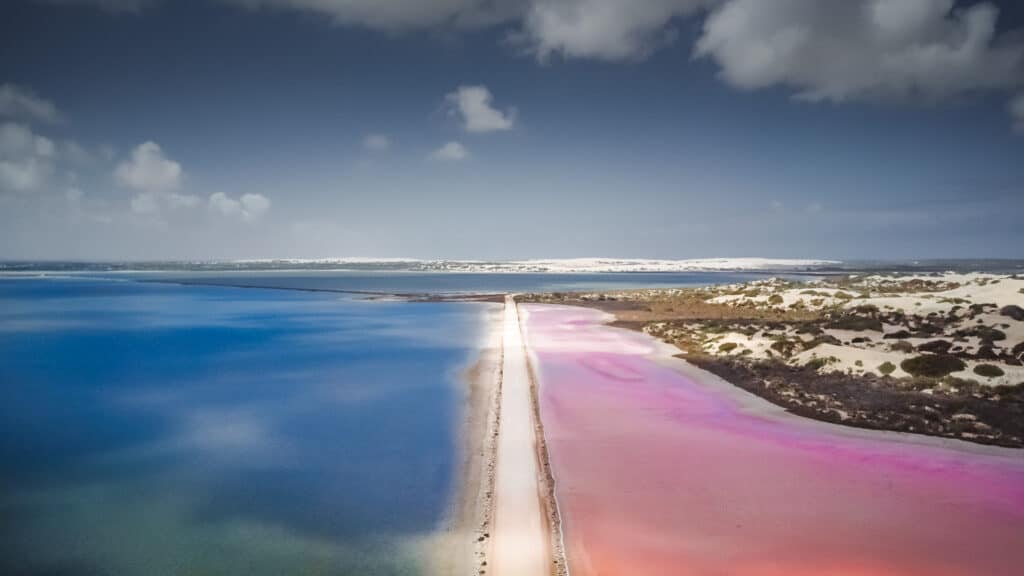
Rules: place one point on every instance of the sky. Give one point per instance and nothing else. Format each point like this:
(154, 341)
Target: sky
(508, 129)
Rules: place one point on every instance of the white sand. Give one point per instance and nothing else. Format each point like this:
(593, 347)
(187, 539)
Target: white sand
(520, 540)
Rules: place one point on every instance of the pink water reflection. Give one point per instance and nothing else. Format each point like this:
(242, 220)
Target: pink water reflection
(658, 473)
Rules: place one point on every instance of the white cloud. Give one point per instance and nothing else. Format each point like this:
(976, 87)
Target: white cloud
(473, 105)
(22, 104)
(249, 207)
(840, 50)
(27, 160)
(20, 140)
(377, 142)
(1017, 112)
(175, 200)
(602, 29)
(155, 179)
(149, 170)
(450, 152)
(145, 203)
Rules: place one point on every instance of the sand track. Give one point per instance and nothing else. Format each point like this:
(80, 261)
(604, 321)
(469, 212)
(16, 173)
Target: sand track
(520, 545)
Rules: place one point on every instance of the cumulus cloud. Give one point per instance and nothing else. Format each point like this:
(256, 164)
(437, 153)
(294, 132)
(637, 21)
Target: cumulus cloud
(838, 50)
(149, 170)
(26, 159)
(473, 105)
(155, 179)
(22, 104)
(377, 143)
(450, 152)
(248, 207)
(602, 29)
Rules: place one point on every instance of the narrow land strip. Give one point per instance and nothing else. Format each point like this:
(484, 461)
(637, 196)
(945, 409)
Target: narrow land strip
(520, 540)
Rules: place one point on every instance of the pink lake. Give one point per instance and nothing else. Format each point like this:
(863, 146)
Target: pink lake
(661, 469)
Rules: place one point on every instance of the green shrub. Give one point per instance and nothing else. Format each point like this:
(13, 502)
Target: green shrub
(816, 363)
(901, 346)
(775, 299)
(932, 365)
(936, 346)
(886, 368)
(988, 370)
(856, 322)
(727, 347)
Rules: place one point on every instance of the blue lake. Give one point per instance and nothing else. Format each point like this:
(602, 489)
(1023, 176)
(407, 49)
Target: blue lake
(164, 429)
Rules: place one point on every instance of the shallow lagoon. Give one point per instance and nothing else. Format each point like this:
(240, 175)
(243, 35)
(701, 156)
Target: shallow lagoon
(163, 429)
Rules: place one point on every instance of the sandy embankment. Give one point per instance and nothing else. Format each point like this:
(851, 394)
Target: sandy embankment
(504, 519)
(520, 544)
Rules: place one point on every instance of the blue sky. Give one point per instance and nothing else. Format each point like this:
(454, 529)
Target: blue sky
(511, 128)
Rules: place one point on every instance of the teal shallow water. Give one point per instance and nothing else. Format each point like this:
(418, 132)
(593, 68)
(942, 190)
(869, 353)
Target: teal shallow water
(163, 429)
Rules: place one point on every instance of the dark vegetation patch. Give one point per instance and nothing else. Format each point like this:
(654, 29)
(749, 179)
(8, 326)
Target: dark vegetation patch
(997, 413)
(935, 347)
(932, 365)
(856, 322)
(1013, 311)
(988, 370)
(984, 333)
(902, 346)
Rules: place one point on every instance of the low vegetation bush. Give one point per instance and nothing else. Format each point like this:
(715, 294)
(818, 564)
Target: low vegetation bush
(932, 365)
(886, 368)
(1013, 311)
(988, 370)
(816, 363)
(901, 346)
(935, 347)
(856, 323)
(775, 299)
(727, 347)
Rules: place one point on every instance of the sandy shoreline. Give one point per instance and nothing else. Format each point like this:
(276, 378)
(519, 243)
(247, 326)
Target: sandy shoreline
(460, 545)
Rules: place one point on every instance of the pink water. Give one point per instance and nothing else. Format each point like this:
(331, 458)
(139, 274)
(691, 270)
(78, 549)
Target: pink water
(659, 473)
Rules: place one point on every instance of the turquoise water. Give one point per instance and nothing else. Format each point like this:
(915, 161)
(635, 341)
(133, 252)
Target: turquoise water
(165, 429)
